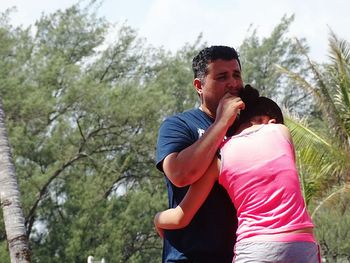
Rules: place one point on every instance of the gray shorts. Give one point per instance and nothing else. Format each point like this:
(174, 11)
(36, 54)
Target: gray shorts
(276, 252)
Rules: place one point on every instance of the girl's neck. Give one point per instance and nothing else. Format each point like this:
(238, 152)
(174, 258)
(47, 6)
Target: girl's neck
(248, 126)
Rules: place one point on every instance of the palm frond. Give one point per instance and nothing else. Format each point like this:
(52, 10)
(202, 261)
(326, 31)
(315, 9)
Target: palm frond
(300, 80)
(301, 133)
(323, 155)
(340, 56)
(339, 49)
(336, 193)
(322, 96)
(324, 161)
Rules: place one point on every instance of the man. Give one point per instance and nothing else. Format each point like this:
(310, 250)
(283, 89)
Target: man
(187, 144)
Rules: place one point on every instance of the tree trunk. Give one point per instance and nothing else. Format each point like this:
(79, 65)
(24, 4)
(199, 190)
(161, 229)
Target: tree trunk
(10, 201)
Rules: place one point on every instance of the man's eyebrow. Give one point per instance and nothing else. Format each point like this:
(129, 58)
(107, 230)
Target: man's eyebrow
(221, 73)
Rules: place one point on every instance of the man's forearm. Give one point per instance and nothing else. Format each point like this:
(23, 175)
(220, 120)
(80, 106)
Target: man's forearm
(187, 166)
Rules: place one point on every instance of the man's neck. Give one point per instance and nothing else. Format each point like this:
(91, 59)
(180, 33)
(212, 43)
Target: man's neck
(207, 111)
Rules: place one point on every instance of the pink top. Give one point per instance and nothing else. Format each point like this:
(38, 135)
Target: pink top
(258, 171)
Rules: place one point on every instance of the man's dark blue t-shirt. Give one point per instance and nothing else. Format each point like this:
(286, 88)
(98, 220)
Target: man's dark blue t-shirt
(210, 236)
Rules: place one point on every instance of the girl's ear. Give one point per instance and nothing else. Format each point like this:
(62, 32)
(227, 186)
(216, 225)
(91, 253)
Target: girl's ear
(272, 121)
(197, 83)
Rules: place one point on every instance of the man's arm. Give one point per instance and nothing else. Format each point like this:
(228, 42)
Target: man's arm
(181, 216)
(187, 166)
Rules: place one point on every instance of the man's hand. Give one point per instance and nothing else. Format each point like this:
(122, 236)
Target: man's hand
(228, 109)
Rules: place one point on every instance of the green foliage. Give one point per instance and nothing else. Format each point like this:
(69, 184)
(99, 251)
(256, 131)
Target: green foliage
(82, 124)
(173, 80)
(260, 57)
(118, 228)
(83, 114)
(4, 253)
(323, 148)
(333, 236)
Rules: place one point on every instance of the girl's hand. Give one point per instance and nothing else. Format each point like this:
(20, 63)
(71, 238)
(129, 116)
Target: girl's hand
(159, 230)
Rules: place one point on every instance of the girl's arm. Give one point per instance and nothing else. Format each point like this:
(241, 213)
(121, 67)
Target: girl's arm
(286, 134)
(181, 216)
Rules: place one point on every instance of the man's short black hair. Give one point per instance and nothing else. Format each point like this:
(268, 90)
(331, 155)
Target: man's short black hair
(206, 55)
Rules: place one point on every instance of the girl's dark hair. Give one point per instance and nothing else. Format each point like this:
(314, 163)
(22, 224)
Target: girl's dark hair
(256, 105)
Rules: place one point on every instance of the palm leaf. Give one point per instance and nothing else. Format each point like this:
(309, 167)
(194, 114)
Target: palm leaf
(323, 161)
(321, 91)
(340, 56)
(323, 154)
(333, 196)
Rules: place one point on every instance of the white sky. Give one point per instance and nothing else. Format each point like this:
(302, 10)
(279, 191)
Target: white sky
(172, 23)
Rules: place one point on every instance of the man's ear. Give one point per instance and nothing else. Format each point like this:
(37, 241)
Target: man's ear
(272, 121)
(197, 83)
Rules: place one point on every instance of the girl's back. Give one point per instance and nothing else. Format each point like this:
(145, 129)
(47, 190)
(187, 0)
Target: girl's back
(258, 171)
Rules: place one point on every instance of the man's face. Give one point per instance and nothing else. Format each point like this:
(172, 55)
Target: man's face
(223, 77)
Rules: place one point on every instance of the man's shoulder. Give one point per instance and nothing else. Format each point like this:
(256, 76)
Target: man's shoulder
(188, 114)
(192, 117)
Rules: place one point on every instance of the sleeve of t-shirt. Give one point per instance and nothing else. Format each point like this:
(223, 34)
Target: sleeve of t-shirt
(174, 136)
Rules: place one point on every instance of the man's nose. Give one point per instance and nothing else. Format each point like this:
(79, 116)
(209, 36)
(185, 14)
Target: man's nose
(234, 85)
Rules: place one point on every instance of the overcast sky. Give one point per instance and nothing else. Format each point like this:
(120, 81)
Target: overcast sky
(172, 23)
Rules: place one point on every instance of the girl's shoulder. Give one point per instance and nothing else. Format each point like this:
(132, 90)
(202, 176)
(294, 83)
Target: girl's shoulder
(283, 129)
